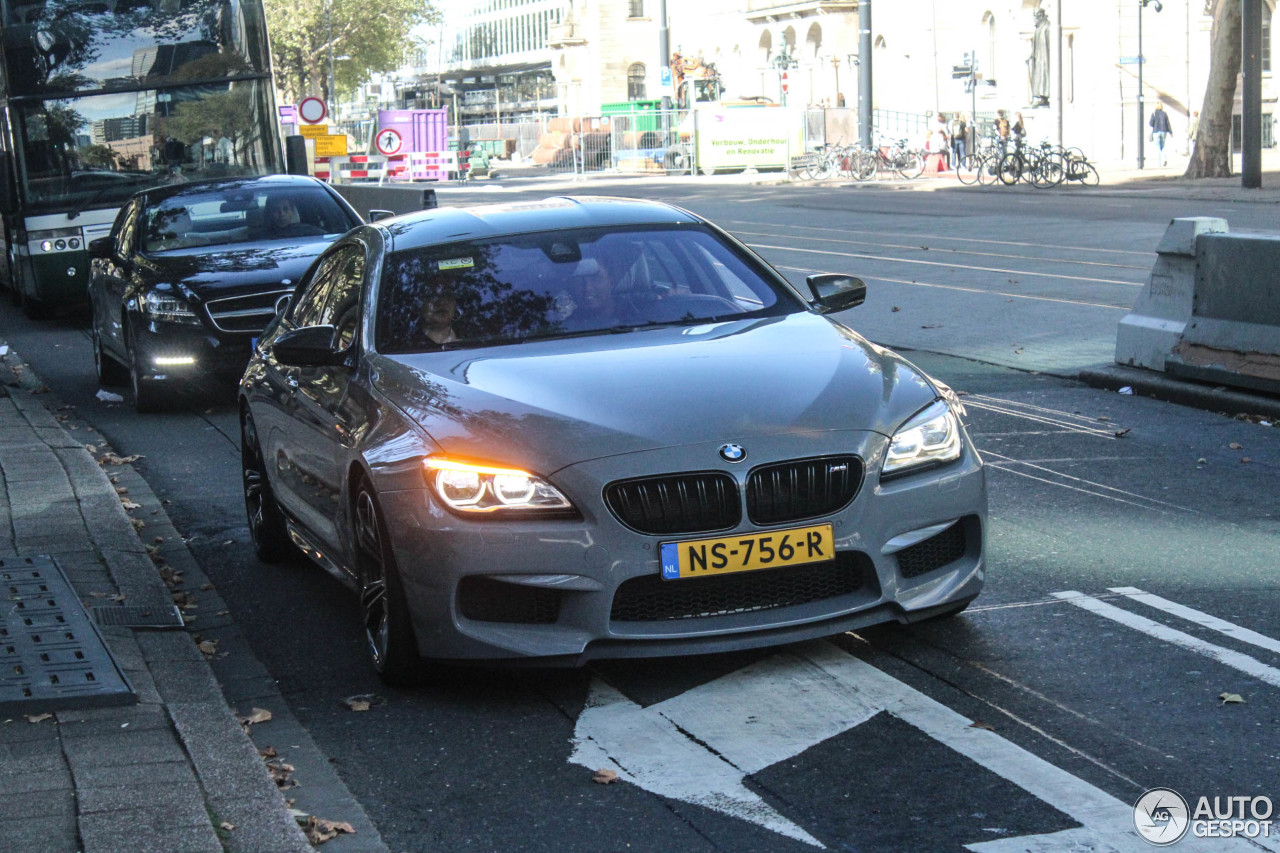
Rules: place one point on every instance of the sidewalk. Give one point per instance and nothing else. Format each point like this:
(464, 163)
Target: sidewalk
(173, 771)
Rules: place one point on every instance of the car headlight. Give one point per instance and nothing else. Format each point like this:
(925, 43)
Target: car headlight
(162, 306)
(930, 438)
(472, 488)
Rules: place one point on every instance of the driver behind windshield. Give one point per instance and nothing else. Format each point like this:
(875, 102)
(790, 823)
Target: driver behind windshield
(284, 220)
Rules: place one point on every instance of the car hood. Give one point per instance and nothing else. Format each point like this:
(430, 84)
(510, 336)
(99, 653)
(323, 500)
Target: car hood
(209, 271)
(544, 405)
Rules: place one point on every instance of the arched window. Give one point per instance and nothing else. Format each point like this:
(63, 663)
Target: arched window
(789, 39)
(766, 47)
(635, 82)
(813, 41)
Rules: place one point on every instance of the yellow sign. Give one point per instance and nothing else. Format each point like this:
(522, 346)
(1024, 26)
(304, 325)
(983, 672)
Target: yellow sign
(312, 131)
(331, 146)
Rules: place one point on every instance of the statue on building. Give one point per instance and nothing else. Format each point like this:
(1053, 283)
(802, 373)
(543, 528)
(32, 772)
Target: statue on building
(1038, 62)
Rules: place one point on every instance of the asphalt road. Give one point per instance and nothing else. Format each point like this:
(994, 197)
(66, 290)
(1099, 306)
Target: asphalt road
(1133, 549)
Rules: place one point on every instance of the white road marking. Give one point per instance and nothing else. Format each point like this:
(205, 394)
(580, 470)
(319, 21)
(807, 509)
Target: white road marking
(741, 235)
(1078, 484)
(698, 747)
(978, 290)
(1038, 414)
(1228, 657)
(952, 266)
(1222, 626)
(969, 241)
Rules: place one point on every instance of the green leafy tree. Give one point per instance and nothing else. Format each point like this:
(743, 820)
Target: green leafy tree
(376, 37)
(221, 114)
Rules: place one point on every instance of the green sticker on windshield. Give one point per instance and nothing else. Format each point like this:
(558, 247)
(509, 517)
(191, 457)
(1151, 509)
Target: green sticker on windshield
(456, 264)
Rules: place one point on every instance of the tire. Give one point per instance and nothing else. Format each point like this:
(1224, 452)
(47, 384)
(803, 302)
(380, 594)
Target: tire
(146, 396)
(676, 161)
(989, 170)
(1010, 169)
(266, 522)
(384, 613)
(967, 170)
(822, 169)
(110, 372)
(910, 165)
(1047, 172)
(1089, 175)
(865, 165)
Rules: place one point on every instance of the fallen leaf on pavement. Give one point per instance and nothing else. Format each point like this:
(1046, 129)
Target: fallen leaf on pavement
(318, 830)
(206, 587)
(269, 752)
(208, 648)
(1103, 418)
(1121, 433)
(128, 504)
(896, 309)
(1235, 445)
(363, 701)
(38, 718)
(1232, 699)
(138, 523)
(604, 776)
(978, 724)
(227, 825)
(1245, 459)
(259, 715)
(113, 459)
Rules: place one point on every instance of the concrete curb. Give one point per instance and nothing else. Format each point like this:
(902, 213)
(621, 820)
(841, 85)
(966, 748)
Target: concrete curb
(1185, 393)
(161, 775)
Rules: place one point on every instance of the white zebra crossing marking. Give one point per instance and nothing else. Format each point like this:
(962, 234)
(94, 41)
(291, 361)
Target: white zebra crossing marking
(698, 747)
(1229, 657)
(1222, 626)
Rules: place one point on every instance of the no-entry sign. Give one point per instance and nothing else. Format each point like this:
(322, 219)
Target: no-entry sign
(312, 110)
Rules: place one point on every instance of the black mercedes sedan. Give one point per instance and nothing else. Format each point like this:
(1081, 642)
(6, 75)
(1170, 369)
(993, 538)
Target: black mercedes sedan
(192, 273)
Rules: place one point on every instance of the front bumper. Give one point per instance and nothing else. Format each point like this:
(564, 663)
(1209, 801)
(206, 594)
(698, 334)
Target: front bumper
(168, 352)
(564, 592)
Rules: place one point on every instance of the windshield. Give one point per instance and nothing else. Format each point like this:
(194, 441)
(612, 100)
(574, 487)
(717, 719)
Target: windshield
(97, 151)
(241, 215)
(68, 46)
(566, 283)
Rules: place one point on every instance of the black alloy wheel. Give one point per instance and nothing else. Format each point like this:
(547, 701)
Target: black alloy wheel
(387, 629)
(266, 522)
(110, 371)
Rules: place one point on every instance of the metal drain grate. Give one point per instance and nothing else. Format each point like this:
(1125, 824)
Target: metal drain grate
(51, 654)
(132, 616)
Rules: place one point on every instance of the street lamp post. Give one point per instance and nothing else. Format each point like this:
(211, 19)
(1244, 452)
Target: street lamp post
(328, 22)
(1142, 121)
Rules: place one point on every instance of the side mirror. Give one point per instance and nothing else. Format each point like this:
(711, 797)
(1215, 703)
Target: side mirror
(295, 155)
(375, 215)
(834, 292)
(429, 199)
(102, 248)
(307, 346)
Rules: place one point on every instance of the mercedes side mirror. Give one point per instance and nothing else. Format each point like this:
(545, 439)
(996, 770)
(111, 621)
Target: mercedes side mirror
(307, 346)
(835, 292)
(102, 249)
(375, 215)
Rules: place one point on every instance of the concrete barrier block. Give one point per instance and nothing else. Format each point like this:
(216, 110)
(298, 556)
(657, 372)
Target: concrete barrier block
(1160, 313)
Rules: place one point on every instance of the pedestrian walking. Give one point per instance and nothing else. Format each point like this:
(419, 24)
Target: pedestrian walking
(939, 141)
(1160, 130)
(1019, 131)
(959, 138)
(1193, 127)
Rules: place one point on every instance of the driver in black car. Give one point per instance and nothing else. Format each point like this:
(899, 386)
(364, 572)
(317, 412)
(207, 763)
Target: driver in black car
(283, 220)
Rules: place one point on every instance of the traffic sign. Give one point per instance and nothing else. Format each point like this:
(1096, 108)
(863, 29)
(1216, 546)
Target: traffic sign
(388, 141)
(1132, 60)
(331, 146)
(312, 131)
(786, 86)
(312, 110)
(959, 71)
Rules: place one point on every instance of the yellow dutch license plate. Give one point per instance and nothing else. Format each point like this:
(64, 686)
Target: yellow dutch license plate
(745, 552)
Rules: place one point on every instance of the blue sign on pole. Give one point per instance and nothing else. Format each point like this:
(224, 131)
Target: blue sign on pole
(665, 78)
(1132, 60)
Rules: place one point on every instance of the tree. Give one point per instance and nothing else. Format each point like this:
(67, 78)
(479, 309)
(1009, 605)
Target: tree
(375, 37)
(1212, 155)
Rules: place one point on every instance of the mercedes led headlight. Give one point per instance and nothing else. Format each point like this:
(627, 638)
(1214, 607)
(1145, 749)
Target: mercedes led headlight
(472, 488)
(932, 437)
(162, 306)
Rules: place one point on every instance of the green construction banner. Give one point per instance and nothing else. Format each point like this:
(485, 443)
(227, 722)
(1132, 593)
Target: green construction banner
(745, 137)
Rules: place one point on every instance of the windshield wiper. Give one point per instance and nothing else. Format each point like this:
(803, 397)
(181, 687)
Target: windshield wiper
(84, 205)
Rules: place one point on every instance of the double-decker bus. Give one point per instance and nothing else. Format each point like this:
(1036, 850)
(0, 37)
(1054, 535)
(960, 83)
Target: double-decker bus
(102, 98)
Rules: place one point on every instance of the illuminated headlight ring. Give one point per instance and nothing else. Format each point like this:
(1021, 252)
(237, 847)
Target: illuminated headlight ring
(468, 487)
(930, 438)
